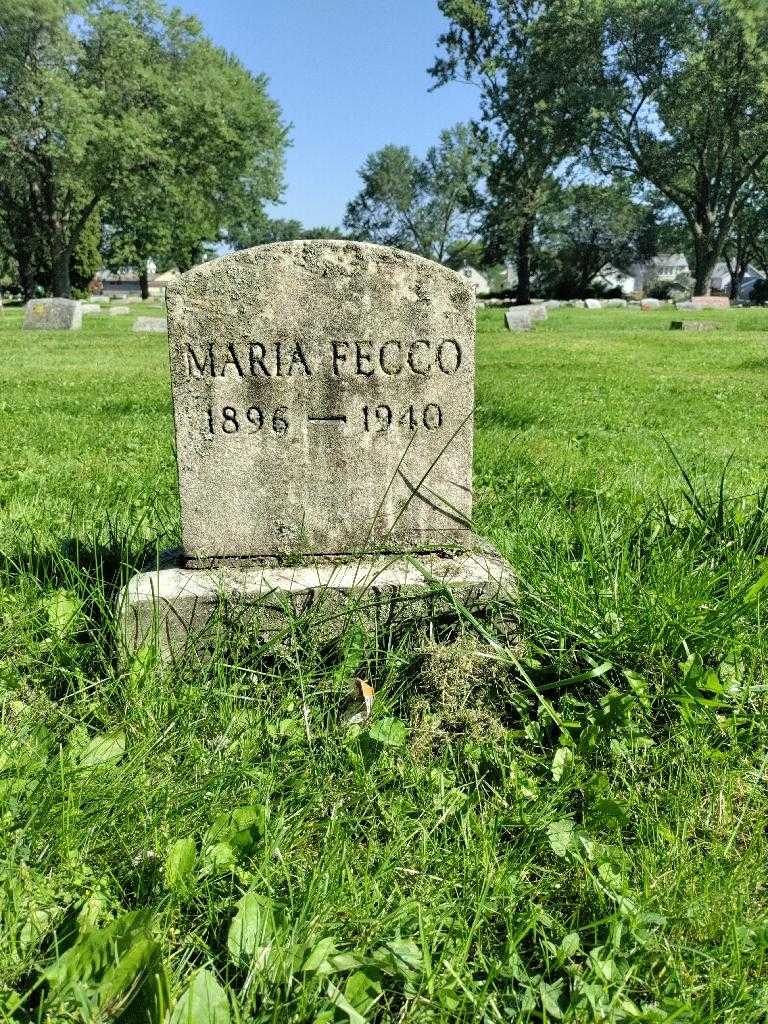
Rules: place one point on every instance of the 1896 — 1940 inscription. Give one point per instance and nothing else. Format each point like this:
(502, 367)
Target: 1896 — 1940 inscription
(323, 396)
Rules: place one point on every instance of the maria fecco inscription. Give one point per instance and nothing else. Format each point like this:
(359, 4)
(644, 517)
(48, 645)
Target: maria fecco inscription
(323, 396)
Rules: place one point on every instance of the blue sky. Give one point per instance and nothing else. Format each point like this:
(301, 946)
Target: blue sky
(350, 76)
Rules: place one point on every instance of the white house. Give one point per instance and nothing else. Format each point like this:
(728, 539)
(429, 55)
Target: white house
(611, 277)
(475, 278)
(664, 267)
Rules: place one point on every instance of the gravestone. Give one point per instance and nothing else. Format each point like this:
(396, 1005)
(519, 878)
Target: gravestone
(592, 304)
(522, 318)
(323, 396)
(695, 325)
(119, 310)
(650, 304)
(711, 302)
(53, 315)
(89, 308)
(150, 325)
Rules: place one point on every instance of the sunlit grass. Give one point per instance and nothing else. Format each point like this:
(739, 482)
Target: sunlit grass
(566, 824)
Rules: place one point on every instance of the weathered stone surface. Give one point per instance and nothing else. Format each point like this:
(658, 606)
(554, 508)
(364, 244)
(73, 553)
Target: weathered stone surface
(519, 318)
(150, 324)
(553, 303)
(695, 325)
(650, 304)
(615, 303)
(53, 315)
(323, 396)
(592, 304)
(686, 304)
(89, 308)
(133, 300)
(119, 310)
(711, 302)
(177, 609)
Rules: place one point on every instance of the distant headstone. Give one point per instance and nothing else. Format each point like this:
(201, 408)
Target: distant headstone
(119, 310)
(650, 304)
(695, 325)
(686, 304)
(133, 299)
(89, 308)
(53, 315)
(100, 299)
(150, 325)
(323, 396)
(592, 304)
(615, 303)
(711, 302)
(518, 318)
(552, 303)
(522, 318)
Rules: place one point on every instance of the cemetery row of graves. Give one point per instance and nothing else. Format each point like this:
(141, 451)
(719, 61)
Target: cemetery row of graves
(562, 821)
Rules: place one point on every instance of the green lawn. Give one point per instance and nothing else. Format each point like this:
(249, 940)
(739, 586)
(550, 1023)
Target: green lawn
(569, 825)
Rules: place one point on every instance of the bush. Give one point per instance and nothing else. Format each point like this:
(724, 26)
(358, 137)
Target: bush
(759, 294)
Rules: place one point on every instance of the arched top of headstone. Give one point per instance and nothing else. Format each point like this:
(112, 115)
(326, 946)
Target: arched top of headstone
(323, 395)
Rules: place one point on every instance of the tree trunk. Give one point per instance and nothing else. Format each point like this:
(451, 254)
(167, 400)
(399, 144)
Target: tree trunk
(737, 280)
(62, 288)
(704, 263)
(26, 275)
(144, 280)
(524, 245)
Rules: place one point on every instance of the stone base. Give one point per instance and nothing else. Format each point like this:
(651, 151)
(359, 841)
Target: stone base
(181, 610)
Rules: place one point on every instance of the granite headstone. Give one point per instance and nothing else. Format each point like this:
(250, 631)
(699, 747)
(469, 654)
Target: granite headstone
(52, 315)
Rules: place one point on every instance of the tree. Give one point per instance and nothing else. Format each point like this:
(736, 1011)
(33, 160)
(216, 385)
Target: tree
(538, 65)
(124, 109)
(585, 227)
(748, 240)
(259, 229)
(426, 206)
(690, 80)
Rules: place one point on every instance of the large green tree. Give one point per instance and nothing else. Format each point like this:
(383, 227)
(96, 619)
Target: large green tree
(428, 206)
(689, 81)
(583, 228)
(538, 67)
(126, 109)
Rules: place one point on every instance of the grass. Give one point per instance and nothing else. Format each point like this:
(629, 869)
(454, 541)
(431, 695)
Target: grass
(569, 827)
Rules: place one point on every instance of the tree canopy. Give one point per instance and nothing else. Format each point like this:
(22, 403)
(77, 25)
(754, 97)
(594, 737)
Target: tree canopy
(125, 109)
(428, 206)
(538, 66)
(688, 110)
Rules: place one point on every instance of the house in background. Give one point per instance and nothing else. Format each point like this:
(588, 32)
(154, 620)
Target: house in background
(721, 280)
(611, 277)
(125, 282)
(476, 279)
(666, 267)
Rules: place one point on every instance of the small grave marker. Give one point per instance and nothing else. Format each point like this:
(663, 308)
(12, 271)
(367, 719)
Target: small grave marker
(150, 325)
(52, 315)
(695, 325)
